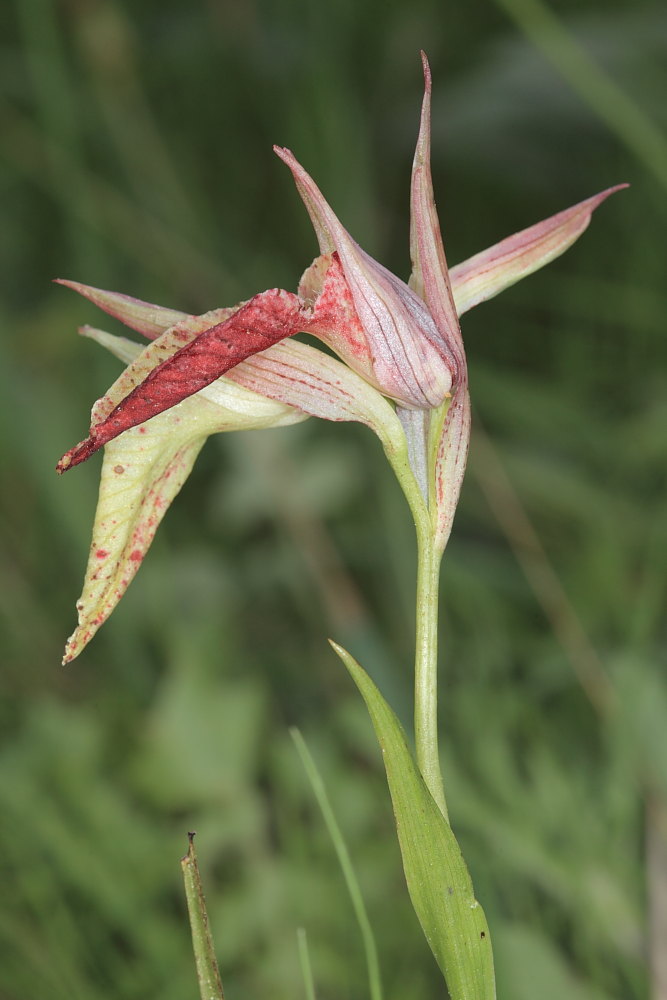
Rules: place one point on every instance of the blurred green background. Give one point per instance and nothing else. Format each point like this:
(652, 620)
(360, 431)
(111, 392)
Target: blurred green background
(136, 155)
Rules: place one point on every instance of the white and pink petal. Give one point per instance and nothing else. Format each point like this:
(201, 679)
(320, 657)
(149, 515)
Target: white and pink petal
(145, 317)
(492, 271)
(321, 386)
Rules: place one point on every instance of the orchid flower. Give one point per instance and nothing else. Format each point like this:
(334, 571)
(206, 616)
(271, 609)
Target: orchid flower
(402, 371)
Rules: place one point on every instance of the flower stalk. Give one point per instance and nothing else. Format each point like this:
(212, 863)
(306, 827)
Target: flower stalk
(426, 666)
(412, 469)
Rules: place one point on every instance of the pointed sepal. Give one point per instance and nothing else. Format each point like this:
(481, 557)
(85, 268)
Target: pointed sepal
(487, 273)
(430, 275)
(144, 317)
(404, 354)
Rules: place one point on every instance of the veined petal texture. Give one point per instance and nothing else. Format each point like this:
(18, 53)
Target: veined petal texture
(491, 271)
(404, 354)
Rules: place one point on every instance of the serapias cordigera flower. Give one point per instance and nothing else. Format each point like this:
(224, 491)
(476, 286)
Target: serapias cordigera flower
(402, 370)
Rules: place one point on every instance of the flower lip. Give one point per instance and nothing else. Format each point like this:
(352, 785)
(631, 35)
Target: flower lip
(264, 320)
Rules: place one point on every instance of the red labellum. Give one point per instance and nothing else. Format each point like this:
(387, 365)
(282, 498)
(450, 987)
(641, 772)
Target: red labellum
(266, 319)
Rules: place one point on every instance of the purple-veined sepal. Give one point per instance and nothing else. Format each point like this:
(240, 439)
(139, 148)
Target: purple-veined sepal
(492, 271)
(145, 317)
(400, 350)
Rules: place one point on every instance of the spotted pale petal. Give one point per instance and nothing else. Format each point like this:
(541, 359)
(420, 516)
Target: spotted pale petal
(144, 317)
(403, 353)
(142, 472)
(491, 271)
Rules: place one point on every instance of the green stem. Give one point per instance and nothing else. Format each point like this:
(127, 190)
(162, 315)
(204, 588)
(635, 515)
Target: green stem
(426, 641)
(426, 667)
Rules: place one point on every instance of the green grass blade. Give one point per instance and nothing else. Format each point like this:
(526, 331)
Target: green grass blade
(438, 880)
(208, 974)
(304, 962)
(368, 938)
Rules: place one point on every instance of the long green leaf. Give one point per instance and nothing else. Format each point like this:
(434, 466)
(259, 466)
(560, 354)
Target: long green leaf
(438, 880)
(210, 986)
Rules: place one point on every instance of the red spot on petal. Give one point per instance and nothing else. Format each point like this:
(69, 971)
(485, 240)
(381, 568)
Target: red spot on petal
(137, 555)
(101, 553)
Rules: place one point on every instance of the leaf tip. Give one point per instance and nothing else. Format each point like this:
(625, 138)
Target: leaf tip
(427, 70)
(190, 855)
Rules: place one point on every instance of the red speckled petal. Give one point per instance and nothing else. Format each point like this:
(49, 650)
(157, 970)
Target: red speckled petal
(158, 351)
(491, 271)
(144, 317)
(264, 320)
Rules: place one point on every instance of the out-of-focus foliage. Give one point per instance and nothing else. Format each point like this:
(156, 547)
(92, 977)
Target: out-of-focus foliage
(136, 155)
